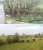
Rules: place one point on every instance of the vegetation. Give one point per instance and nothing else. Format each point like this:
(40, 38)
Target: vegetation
(24, 42)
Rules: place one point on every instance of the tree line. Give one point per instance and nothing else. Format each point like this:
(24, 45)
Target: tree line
(19, 39)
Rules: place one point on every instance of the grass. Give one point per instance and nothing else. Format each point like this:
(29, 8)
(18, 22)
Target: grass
(37, 45)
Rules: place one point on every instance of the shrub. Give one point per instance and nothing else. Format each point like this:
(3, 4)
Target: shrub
(28, 41)
(16, 38)
(21, 41)
(2, 42)
(9, 40)
(34, 39)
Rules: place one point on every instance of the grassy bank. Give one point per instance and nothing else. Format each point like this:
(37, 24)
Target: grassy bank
(37, 45)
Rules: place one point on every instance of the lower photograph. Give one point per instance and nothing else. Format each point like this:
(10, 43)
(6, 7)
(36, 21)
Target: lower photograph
(21, 37)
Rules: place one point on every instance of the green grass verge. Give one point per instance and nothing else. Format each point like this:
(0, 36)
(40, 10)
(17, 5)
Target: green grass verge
(37, 45)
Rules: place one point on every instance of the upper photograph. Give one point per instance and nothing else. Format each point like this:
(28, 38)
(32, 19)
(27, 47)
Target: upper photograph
(21, 11)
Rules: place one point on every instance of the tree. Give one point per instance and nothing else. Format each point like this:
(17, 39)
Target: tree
(9, 40)
(16, 37)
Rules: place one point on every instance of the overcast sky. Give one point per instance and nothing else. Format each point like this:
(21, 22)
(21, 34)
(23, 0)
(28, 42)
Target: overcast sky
(29, 28)
(20, 28)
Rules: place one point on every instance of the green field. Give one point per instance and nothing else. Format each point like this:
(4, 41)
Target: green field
(16, 42)
(37, 45)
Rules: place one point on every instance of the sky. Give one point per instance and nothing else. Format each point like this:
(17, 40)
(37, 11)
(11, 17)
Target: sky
(29, 28)
(7, 29)
(10, 29)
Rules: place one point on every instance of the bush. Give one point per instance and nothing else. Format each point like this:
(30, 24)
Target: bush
(16, 38)
(9, 40)
(21, 41)
(28, 41)
(34, 39)
(2, 42)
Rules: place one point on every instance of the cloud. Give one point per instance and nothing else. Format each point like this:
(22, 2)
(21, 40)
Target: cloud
(28, 28)
(7, 28)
